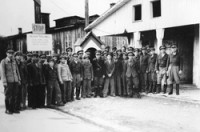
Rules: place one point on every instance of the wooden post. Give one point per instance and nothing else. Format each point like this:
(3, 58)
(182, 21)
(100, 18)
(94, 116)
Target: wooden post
(86, 13)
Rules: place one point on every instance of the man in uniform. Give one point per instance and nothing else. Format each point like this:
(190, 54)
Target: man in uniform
(152, 77)
(175, 69)
(132, 75)
(109, 80)
(77, 73)
(99, 74)
(124, 63)
(11, 79)
(143, 70)
(161, 69)
(117, 75)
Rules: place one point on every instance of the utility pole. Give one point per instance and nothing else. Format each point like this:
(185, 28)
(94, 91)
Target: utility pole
(86, 13)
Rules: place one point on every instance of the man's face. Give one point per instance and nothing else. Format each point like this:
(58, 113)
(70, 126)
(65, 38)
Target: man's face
(174, 49)
(75, 58)
(98, 56)
(130, 57)
(136, 53)
(124, 57)
(22, 59)
(162, 51)
(109, 57)
(80, 55)
(115, 57)
(152, 52)
(143, 51)
(9, 55)
(62, 60)
(69, 52)
(17, 57)
(51, 63)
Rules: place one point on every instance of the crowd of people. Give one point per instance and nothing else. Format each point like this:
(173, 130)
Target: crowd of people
(49, 81)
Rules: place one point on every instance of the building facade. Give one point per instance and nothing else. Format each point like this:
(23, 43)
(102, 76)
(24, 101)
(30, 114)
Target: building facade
(156, 23)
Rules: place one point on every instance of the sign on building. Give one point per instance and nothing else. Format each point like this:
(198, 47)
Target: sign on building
(39, 42)
(38, 28)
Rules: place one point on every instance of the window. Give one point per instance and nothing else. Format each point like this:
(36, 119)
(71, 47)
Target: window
(156, 8)
(137, 13)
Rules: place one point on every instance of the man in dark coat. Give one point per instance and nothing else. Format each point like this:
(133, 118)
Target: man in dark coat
(175, 64)
(152, 76)
(109, 80)
(143, 70)
(132, 75)
(99, 73)
(161, 69)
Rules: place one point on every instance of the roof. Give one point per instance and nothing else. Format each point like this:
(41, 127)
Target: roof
(107, 14)
(70, 17)
(87, 36)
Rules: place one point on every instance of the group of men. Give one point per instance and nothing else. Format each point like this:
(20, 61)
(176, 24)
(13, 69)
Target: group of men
(49, 81)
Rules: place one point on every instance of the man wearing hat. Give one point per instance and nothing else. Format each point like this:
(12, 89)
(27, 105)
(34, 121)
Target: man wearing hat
(124, 63)
(143, 70)
(107, 48)
(11, 79)
(161, 69)
(152, 77)
(175, 69)
(132, 75)
(80, 55)
(114, 49)
(77, 73)
(109, 79)
(99, 73)
(69, 51)
(53, 85)
(117, 74)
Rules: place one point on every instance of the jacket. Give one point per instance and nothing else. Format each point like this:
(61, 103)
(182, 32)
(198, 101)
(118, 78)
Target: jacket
(132, 68)
(76, 68)
(51, 74)
(144, 63)
(152, 63)
(118, 68)
(87, 70)
(98, 67)
(64, 73)
(9, 71)
(175, 60)
(162, 62)
(23, 72)
(109, 67)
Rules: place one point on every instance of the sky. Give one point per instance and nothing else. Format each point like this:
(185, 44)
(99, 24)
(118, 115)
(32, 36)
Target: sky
(20, 13)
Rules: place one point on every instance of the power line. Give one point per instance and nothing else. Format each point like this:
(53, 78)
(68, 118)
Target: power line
(58, 6)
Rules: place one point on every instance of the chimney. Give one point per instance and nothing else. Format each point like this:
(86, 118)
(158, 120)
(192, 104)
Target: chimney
(19, 30)
(45, 19)
(112, 4)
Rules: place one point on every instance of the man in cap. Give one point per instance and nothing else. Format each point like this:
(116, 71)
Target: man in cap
(175, 63)
(109, 80)
(114, 49)
(143, 70)
(99, 74)
(107, 48)
(124, 84)
(80, 55)
(11, 79)
(117, 75)
(152, 77)
(161, 69)
(132, 75)
(77, 73)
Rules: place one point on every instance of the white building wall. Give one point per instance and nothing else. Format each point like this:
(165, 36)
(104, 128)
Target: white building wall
(174, 13)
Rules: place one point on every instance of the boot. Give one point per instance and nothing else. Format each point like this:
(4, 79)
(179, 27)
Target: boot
(154, 87)
(158, 88)
(171, 89)
(164, 89)
(150, 87)
(177, 89)
(77, 93)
